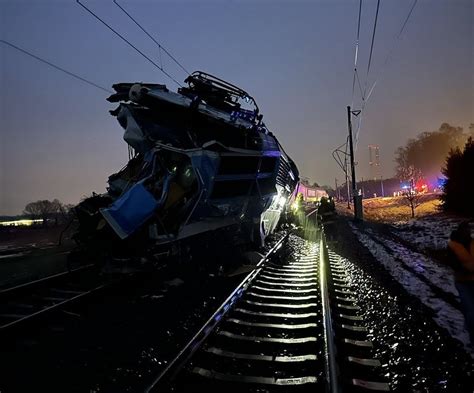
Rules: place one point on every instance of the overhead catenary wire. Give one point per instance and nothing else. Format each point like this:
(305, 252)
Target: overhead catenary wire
(355, 78)
(372, 45)
(358, 34)
(406, 20)
(356, 52)
(161, 48)
(128, 42)
(356, 73)
(358, 82)
(384, 65)
(388, 57)
(76, 76)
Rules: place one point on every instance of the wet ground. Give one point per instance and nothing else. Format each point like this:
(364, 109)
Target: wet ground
(118, 341)
(113, 343)
(121, 340)
(411, 309)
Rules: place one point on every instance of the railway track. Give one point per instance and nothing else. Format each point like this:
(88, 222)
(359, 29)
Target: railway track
(28, 302)
(292, 325)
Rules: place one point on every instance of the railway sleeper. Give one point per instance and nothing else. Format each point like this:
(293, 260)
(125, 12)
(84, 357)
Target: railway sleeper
(361, 371)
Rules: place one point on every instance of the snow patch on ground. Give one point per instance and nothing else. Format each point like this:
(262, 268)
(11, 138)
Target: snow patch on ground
(429, 232)
(445, 315)
(439, 275)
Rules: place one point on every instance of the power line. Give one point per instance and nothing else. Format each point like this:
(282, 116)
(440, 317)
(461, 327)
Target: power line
(55, 66)
(359, 124)
(356, 52)
(358, 82)
(358, 30)
(366, 98)
(356, 74)
(128, 42)
(387, 59)
(406, 20)
(372, 45)
(152, 38)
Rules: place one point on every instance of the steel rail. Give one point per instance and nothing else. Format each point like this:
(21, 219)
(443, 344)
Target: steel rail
(30, 288)
(195, 343)
(52, 307)
(42, 280)
(332, 369)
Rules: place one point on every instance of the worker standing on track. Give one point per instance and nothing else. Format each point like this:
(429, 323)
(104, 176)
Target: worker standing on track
(461, 254)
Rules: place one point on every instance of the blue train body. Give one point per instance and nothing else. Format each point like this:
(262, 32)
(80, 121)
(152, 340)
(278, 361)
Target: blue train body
(201, 159)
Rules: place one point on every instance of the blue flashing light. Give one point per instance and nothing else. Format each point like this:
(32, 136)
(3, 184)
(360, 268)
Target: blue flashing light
(405, 185)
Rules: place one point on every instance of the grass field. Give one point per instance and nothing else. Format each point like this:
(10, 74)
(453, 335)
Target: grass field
(395, 209)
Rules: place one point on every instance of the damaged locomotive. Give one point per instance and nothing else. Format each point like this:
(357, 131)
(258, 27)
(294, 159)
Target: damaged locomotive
(201, 161)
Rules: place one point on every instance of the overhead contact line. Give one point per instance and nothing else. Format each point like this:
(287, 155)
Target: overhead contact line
(367, 94)
(372, 46)
(24, 51)
(356, 53)
(128, 42)
(161, 48)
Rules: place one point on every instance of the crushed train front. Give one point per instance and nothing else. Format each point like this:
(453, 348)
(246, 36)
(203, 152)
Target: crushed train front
(201, 159)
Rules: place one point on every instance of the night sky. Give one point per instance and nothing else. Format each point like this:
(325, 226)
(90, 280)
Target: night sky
(57, 139)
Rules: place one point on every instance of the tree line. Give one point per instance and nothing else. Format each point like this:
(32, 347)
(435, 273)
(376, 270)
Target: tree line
(54, 211)
(446, 152)
(425, 155)
(458, 189)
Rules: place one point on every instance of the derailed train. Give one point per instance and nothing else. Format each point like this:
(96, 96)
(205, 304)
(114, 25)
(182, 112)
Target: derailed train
(201, 161)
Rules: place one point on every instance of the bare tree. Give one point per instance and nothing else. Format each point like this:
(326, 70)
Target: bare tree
(412, 197)
(44, 210)
(413, 200)
(411, 175)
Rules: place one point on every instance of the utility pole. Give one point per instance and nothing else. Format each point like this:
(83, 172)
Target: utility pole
(351, 149)
(381, 185)
(336, 190)
(348, 190)
(357, 207)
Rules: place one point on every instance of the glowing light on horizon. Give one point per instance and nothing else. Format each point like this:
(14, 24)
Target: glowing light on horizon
(23, 222)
